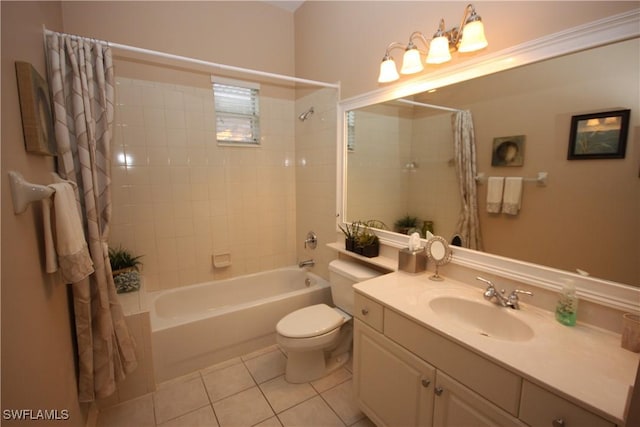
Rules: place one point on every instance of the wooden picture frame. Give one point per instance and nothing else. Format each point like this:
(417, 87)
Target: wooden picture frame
(35, 108)
(599, 135)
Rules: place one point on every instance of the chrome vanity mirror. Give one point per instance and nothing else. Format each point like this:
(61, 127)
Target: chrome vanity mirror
(439, 252)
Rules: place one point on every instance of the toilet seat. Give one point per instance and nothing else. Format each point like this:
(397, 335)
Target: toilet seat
(310, 321)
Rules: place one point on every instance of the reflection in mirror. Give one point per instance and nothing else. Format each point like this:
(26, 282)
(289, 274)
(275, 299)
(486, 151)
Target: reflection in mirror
(402, 162)
(401, 169)
(439, 252)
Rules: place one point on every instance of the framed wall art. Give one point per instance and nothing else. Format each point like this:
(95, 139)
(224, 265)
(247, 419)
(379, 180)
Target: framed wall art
(35, 108)
(508, 151)
(599, 135)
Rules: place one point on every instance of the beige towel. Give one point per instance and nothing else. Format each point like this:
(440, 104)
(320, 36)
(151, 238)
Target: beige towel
(495, 186)
(512, 198)
(65, 244)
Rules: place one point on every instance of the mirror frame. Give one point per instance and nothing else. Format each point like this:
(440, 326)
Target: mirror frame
(604, 31)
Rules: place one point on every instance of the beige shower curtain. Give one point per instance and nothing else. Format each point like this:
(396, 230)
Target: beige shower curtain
(465, 158)
(82, 83)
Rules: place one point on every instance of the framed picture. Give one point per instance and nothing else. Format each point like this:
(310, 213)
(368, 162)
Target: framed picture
(35, 108)
(508, 151)
(599, 135)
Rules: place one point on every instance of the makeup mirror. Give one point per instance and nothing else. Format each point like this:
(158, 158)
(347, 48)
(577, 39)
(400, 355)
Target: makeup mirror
(439, 252)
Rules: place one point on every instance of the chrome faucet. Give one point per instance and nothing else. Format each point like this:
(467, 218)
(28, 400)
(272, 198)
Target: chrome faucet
(512, 300)
(306, 263)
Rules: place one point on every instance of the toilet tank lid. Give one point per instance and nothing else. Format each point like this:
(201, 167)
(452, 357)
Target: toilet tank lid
(353, 271)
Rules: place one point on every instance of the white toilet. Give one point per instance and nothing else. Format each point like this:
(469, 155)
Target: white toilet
(318, 338)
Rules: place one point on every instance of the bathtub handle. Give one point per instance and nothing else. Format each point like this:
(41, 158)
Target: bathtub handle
(312, 240)
(365, 311)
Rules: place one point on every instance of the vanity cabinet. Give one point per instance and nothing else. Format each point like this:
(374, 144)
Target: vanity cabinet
(392, 386)
(540, 407)
(406, 374)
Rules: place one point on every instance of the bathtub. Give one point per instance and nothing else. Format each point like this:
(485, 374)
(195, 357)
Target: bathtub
(196, 326)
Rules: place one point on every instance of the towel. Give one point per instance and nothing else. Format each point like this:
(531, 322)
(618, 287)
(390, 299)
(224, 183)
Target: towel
(495, 184)
(512, 198)
(65, 245)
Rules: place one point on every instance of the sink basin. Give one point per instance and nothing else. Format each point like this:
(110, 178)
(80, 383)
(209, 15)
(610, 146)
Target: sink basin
(484, 318)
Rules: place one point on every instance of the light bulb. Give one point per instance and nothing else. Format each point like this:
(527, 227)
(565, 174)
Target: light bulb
(388, 71)
(439, 51)
(411, 62)
(473, 37)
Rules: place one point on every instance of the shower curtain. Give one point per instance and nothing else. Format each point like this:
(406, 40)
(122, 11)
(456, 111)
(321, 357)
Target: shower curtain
(82, 84)
(465, 155)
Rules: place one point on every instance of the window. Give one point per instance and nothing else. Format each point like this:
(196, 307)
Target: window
(237, 111)
(351, 130)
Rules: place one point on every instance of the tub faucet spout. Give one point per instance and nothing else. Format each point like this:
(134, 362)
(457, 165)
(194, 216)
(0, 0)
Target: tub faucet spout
(306, 263)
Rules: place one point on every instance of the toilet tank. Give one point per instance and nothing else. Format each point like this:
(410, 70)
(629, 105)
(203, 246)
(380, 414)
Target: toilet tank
(342, 276)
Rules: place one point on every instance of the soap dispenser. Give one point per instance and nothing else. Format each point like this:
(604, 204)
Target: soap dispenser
(567, 307)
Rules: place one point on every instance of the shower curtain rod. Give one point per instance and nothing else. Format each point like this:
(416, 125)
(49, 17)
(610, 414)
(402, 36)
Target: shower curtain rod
(421, 104)
(198, 61)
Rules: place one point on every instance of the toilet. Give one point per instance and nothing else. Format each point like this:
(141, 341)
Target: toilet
(317, 339)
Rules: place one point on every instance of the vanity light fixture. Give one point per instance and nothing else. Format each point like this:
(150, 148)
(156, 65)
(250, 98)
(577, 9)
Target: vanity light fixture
(468, 37)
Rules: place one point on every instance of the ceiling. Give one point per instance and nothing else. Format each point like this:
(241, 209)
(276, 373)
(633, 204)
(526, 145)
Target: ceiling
(289, 5)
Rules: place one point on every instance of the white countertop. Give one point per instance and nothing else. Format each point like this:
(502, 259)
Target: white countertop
(580, 363)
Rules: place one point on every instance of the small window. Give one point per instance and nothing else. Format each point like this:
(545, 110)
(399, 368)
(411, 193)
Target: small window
(237, 111)
(351, 130)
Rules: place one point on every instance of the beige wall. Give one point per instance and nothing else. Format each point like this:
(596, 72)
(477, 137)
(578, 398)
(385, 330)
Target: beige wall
(588, 216)
(38, 357)
(332, 41)
(346, 40)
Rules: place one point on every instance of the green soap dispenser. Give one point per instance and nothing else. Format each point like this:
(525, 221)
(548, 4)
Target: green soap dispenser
(567, 307)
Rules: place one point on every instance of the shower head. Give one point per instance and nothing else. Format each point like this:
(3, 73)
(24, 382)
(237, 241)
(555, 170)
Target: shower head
(304, 116)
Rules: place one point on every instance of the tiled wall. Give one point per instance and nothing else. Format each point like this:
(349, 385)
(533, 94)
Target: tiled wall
(316, 151)
(179, 198)
(381, 186)
(434, 185)
(377, 188)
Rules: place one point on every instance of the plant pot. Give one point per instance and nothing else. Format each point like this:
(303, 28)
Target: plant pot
(369, 251)
(350, 244)
(126, 280)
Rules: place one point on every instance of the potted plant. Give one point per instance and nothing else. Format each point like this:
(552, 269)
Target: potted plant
(367, 242)
(405, 224)
(125, 269)
(350, 232)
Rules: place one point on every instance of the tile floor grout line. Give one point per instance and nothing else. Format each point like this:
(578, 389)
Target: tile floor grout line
(206, 390)
(275, 414)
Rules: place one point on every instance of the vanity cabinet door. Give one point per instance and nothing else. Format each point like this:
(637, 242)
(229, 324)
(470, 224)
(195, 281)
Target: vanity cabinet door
(392, 386)
(456, 406)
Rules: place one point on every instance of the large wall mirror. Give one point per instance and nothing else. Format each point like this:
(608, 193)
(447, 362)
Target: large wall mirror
(398, 161)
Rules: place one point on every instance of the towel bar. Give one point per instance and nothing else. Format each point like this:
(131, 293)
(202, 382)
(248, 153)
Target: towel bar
(24, 192)
(541, 179)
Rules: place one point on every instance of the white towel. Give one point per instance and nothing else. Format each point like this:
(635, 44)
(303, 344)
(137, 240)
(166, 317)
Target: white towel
(512, 198)
(65, 244)
(495, 186)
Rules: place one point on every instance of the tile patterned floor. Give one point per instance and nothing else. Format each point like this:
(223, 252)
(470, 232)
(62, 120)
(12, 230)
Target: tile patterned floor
(242, 392)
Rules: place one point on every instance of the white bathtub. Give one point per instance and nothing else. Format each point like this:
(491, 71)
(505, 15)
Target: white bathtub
(195, 326)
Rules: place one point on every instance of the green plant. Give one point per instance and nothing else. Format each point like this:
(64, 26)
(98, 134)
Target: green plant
(350, 231)
(406, 221)
(121, 258)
